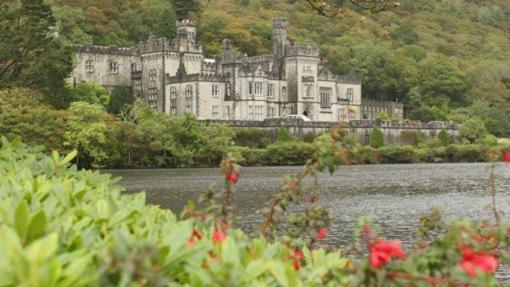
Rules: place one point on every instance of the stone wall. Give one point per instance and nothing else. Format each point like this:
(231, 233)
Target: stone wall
(392, 130)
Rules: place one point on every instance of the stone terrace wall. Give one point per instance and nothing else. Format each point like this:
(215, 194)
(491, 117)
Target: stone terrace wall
(392, 130)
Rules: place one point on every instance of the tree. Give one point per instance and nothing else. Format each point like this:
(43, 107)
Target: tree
(89, 93)
(444, 138)
(30, 55)
(376, 139)
(184, 7)
(120, 97)
(166, 24)
(472, 130)
(86, 132)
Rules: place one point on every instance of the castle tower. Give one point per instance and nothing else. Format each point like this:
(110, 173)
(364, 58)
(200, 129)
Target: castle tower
(279, 35)
(186, 35)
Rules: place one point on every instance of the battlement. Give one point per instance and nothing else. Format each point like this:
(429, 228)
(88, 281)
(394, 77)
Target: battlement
(303, 50)
(258, 59)
(107, 50)
(186, 23)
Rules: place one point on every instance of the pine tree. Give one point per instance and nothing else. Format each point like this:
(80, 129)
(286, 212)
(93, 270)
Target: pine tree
(29, 54)
(443, 138)
(376, 138)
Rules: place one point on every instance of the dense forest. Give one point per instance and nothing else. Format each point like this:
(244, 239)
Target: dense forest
(446, 60)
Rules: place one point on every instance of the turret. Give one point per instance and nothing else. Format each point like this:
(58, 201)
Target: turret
(279, 35)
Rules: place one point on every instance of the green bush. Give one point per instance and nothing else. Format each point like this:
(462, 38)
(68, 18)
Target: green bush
(376, 139)
(409, 138)
(249, 156)
(65, 227)
(444, 138)
(464, 153)
(289, 153)
(251, 137)
(398, 154)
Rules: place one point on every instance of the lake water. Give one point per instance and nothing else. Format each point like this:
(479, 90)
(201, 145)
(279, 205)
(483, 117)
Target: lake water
(394, 196)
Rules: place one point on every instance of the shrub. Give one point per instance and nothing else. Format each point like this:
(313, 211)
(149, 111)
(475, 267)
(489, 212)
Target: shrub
(444, 138)
(464, 153)
(251, 137)
(409, 138)
(289, 153)
(249, 156)
(398, 154)
(64, 227)
(376, 139)
(284, 135)
(472, 130)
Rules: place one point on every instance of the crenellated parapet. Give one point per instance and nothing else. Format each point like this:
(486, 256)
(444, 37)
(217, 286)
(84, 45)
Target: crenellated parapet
(303, 50)
(108, 50)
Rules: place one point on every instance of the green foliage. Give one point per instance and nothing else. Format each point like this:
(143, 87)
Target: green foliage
(289, 153)
(85, 131)
(120, 97)
(22, 114)
(376, 139)
(284, 135)
(75, 228)
(444, 138)
(472, 130)
(90, 93)
(166, 24)
(397, 154)
(30, 55)
(250, 137)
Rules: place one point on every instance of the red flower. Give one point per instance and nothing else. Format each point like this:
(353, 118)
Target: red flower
(473, 261)
(321, 233)
(297, 254)
(296, 265)
(218, 236)
(233, 177)
(506, 156)
(381, 252)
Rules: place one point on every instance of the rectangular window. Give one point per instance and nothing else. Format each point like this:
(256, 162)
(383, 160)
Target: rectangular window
(271, 112)
(152, 97)
(173, 93)
(307, 91)
(173, 111)
(153, 74)
(259, 114)
(188, 109)
(250, 88)
(349, 94)
(227, 89)
(251, 116)
(342, 115)
(138, 86)
(284, 94)
(133, 67)
(258, 88)
(215, 90)
(325, 94)
(270, 91)
(228, 113)
(114, 67)
(216, 112)
(188, 91)
(89, 65)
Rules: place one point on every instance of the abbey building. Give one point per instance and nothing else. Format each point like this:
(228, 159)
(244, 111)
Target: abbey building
(174, 77)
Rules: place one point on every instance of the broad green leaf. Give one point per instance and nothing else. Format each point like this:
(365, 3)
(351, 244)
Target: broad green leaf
(22, 219)
(37, 225)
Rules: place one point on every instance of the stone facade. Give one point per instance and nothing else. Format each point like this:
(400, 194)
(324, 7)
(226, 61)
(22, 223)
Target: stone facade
(174, 77)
